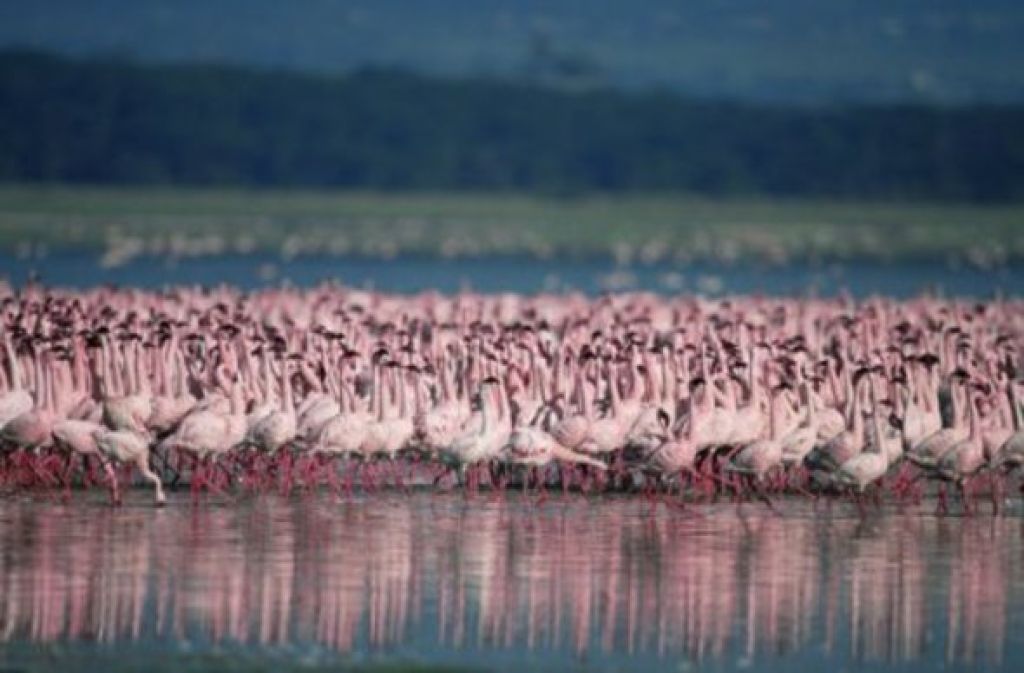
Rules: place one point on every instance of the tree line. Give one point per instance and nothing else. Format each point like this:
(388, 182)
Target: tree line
(114, 121)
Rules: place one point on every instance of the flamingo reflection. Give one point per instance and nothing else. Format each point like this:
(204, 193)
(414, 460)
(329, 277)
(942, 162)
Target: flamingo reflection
(576, 576)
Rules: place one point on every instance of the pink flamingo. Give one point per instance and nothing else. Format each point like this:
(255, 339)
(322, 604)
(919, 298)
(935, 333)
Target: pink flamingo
(16, 400)
(928, 453)
(965, 458)
(277, 429)
(757, 459)
(33, 428)
(871, 463)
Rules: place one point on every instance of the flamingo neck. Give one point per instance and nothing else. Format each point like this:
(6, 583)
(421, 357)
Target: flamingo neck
(142, 371)
(485, 414)
(672, 399)
(442, 372)
(833, 385)
(179, 373)
(12, 359)
(349, 394)
(117, 382)
(581, 383)
(876, 419)
(913, 386)
(809, 400)
(1006, 416)
(501, 402)
(955, 404)
(64, 387)
(160, 365)
(663, 388)
(42, 385)
(237, 401)
(131, 384)
(378, 392)
(558, 374)
(417, 396)
(1015, 412)
(613, 392)
(536, 376)
(856, 421)
(649, 394)
(287, 401)
(900, 399)
(731, 396)
(401, 385)
(753, 381)
(974, 423)
(695, 418)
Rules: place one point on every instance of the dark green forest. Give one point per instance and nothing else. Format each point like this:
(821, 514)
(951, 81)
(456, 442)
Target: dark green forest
(111, 121)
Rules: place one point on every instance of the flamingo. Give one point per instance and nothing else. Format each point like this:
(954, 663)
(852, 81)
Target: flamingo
(127, 447)
(32, 429)
(438, 426)
(344, 434)
(277, 429)
(757, 459)
(172, 403)
(871, 463)
(1011, 453)
(572, 430)
(15, 401)
(608, 434)
(317, 409)
(209, 432)
(798, 443)
(483, 442)
(928, 453)
(132, 407)
(846, 444)
(965, 458)
(678, 454)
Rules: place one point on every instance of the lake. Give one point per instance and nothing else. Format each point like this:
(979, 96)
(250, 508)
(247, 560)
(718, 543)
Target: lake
(524, 274)
(502, 582)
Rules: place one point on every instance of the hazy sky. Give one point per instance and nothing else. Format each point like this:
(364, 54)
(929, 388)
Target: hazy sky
(941, 50)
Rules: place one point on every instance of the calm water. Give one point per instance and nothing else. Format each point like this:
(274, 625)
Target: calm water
(499, 583)
(523, 274)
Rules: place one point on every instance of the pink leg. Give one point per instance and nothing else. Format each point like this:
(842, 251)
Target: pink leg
(996, 491)
(943, 505)
(115, 495)
(399, 481)
(197, 477)
(541, 486)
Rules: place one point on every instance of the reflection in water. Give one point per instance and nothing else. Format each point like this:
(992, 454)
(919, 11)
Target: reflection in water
(577, 577)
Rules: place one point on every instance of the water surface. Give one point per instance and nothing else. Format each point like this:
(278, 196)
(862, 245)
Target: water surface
(502, 583)
(525, 274)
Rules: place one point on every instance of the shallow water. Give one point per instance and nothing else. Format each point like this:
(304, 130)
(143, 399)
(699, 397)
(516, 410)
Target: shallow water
(502, 583)
(524, 274)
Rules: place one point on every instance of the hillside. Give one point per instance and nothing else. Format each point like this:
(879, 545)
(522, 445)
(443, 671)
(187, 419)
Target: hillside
(116, 122)
(783, 51)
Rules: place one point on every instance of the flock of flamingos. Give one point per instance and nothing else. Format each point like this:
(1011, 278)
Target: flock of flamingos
(282, 389)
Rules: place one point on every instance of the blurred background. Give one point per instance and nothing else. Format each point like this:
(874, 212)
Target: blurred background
(708, 145)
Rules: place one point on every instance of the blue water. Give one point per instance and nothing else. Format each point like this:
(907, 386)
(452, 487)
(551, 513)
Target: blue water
(524, 274)
(500, 582)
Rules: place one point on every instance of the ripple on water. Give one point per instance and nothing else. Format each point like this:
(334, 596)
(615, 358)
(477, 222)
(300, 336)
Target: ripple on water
(500, 583)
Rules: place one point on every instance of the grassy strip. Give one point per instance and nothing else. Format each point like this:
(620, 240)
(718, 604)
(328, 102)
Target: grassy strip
(195, 221)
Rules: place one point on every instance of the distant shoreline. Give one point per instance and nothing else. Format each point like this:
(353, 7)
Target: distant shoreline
(118, 121)
(634, 229)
